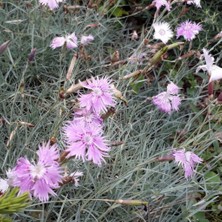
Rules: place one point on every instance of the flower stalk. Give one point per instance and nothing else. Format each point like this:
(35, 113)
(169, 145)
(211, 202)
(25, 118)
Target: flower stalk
(154, 60)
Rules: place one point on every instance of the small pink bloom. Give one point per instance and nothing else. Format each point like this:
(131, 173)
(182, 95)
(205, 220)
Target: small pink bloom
(188, 30)
(175, 102)
(188, 160)
(85, 40)
(86, 143)
(162, 102)
(99, 98)
(172, 88)
(52, 4)
(160, 3)
(41, 178)
(168, 101)
(69, 40)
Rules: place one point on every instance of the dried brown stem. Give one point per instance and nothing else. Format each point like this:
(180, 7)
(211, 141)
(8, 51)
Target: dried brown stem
(71, 66)
(110, 112)
(165, 158)
(74, 88)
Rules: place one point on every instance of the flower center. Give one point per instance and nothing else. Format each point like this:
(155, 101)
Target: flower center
(162, 32)
(88, 118)
(88, 139)
(187, 27)
(98, 91)
(37, 171)
(188, 156)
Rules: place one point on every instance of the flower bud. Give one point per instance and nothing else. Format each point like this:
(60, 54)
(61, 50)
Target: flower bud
(4, 46)
(31, 56)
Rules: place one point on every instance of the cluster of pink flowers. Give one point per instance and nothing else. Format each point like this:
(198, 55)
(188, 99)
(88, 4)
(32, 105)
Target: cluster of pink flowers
(70, 41)
(41, 178)
(84, 133)
(169, 100)
(85, 141)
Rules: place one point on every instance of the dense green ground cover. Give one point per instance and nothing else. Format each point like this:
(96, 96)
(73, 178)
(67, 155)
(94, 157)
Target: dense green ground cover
(31, 92)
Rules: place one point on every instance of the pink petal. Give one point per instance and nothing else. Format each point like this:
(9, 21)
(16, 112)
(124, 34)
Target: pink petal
(57, 42)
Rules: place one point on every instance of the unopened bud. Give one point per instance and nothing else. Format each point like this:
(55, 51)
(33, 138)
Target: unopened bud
(31, 56)
(118, 94)
(218, 36)
(165, 158)
(4, 46)
(210, 88)
(53, 140)
(132, 202)
(146, 41)
(115, 56)
(134, 35)
(219, 98)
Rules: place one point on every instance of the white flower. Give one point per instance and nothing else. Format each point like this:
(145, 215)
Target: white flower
(214, 71)
(69, 40)
(162, 31)
(134, 35)
(3, 186)
(11, 177)
(196, 2)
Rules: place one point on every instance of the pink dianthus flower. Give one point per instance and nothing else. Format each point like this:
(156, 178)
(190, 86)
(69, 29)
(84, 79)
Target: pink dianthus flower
(188, 160)
(85, 40)
(99, 98)
(52, 4)
(86, 142)
(168, 101)
(39, 179)
(69, 40)
(160, 3)
(188, 30)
